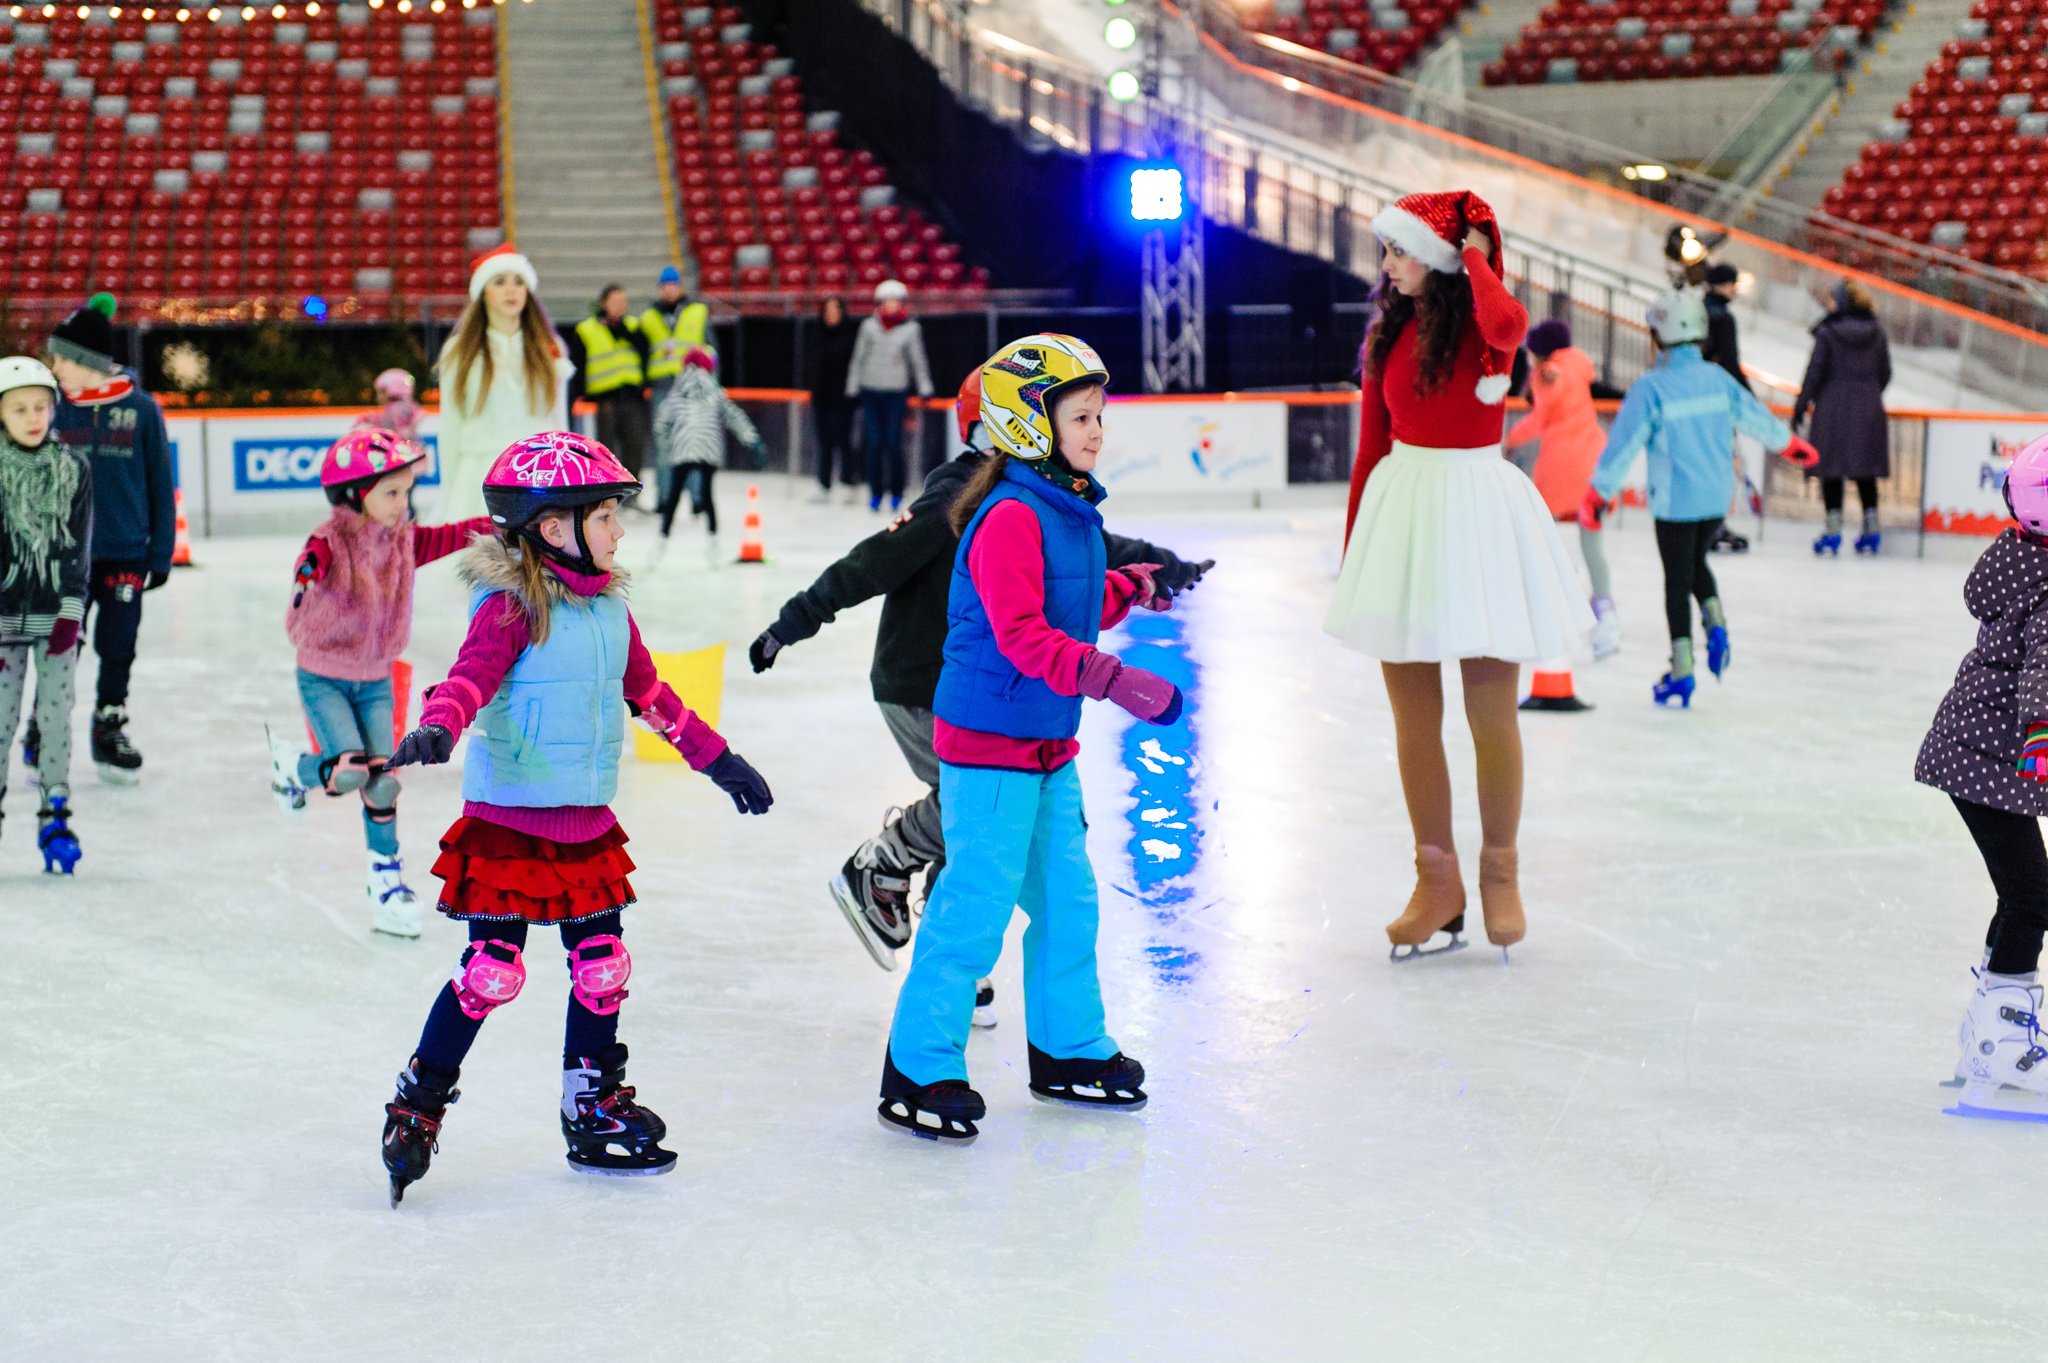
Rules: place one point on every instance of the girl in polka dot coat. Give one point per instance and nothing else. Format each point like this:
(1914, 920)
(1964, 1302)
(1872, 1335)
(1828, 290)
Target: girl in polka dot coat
(1988, 751)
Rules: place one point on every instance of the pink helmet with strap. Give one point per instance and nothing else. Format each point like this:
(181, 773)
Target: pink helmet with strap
(2026, 488)
(392, 384)
(552, 471)
(360, 458)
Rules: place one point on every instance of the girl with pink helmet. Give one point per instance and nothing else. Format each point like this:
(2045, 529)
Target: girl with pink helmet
(551, 665)
(1988, 752)
(400, 414)
(349, 619)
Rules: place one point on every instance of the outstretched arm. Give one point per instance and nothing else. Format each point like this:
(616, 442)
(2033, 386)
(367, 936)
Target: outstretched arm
(431, 542)
(662, 710)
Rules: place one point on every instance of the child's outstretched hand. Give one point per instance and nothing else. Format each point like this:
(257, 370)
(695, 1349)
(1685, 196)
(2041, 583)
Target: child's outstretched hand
(2033, 763)
(732, 774)
(1146, 588)
(1801, 452)
(1591, 509)
(427, 746)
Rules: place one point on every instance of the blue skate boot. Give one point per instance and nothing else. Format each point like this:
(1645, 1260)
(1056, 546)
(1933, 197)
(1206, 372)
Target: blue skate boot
(1719, 653)
(54, 838)
(1678, 683)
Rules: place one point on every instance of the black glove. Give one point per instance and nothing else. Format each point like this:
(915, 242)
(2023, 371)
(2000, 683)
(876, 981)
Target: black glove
(761, 653)
(427, 746)
(1188, 575)
(155, 580)
(759, 454)
(750, 794)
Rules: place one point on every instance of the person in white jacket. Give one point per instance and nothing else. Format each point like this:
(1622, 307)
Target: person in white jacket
(503, 377)
(888, 358)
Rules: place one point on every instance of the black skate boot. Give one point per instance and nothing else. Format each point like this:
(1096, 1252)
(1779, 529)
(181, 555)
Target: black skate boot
(1116, 1082)
(412, 1123)
(944, 1112)
(31, 748)
(54, 838)
(115, 756)
(984, 1003)
(876, 901)
(608, 1133)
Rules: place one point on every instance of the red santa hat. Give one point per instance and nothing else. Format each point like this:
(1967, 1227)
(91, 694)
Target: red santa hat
(501, 259)
(1432, 228)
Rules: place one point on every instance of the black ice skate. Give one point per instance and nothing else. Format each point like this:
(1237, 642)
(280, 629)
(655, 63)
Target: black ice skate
(944, 1112)
(412, 1123)
(1116, 1082)
(31, 751)
(54, 838)
(876, 901)
(609, 1134)
(115, 756)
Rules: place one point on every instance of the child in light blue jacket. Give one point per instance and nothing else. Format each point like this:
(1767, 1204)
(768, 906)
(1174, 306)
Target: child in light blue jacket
(1684, 414)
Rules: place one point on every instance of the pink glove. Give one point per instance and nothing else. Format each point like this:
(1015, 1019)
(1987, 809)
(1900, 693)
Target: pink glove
(1801, 452)
(1145, 588)
(1591, 509)
(1146, 695)
(312, 565)
(63, 637)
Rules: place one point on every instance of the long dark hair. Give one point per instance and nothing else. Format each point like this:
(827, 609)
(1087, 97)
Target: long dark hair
(1444, 311)
(976, 492)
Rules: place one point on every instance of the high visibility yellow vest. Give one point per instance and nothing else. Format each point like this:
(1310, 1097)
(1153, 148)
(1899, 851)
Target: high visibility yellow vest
(608, 362)
(667, 360)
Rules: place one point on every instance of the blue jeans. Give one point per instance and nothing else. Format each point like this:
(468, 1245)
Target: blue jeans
(350, 716)
(1014, 839)
(881, 413)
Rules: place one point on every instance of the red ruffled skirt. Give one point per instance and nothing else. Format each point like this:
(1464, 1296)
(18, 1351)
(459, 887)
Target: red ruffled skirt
(490, 871)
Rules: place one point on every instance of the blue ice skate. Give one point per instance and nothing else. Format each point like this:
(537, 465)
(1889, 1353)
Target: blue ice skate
(1670, 688)
(1830, 545)
(1719, 653)
(54, 838)
(1868, 542)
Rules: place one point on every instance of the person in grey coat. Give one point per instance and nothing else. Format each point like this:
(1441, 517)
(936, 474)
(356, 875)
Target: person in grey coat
(888, 358)
(1844, 392)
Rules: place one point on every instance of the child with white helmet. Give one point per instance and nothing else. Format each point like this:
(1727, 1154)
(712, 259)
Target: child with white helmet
(1685, 414)
(350, 618)
(888, 360)
(1988, 751)
(45, 528)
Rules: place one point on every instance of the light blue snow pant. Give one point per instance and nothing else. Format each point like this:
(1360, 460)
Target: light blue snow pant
(1014, 839)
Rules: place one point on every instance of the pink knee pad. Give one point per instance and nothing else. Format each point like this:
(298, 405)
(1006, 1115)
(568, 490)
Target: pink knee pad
(345, 773)
(490, 976)
(598, 970)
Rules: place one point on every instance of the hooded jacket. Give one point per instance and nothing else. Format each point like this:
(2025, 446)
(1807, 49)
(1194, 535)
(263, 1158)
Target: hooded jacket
(1844, 389)
(2001, 687)
(120, 430)
(1562, 417)
(1685, 414)
(45, 534)
(354, 622)
(691, 424)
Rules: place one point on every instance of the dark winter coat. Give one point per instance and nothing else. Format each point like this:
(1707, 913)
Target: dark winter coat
(1844, 389)
(1723, 345)
(2001, 687)
(910, 565)
(120, 430)
(831, 355)
(45, 526)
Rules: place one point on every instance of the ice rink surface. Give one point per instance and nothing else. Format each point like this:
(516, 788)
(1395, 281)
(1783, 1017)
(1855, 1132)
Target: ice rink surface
(1696, 1118)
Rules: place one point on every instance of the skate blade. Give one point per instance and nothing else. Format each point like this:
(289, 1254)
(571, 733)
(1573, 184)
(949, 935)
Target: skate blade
(623, 1170)
(404, 934)
(115, 776)
(984, 1018)
(1402, 953)
(956, 1131)
(2000, 1104)
(849, 904)
(1099, 1104)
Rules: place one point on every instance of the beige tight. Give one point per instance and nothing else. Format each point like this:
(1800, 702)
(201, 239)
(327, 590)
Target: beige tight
(1416, 691)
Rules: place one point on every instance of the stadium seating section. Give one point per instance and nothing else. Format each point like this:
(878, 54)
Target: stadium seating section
(346, 153)
(1608, 40)
(1386, 35)
(770, 200)
(1963, 164)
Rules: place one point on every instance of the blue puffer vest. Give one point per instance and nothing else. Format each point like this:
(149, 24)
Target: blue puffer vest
(979, 689)
(551, 735)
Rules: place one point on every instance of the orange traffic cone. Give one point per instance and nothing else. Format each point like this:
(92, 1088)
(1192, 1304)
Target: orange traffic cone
(181, 547)
(750, 533)
(1550, 688)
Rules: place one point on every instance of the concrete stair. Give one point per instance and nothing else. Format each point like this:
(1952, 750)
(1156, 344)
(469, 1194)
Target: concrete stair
(588, 179)
(1485, 32)
(1885, 75)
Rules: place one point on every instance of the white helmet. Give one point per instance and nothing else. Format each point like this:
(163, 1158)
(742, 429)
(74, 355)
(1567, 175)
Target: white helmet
(1677, 319)
(891, 291)
(19, 371)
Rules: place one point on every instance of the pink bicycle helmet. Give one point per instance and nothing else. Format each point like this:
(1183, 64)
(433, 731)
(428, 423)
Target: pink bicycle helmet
(553, 471)
(393, 384)
(356, 461)
(2026, 488)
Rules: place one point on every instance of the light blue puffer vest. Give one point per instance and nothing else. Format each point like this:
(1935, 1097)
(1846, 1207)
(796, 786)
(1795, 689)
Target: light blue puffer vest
(551, 736)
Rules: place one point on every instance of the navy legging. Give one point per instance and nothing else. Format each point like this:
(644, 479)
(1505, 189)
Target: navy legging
(450, 1032)
(882, 437)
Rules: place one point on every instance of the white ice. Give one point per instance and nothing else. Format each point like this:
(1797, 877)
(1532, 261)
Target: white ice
(1695, 1119)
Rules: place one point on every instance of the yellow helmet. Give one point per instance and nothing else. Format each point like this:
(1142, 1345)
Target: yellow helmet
(1020, 382)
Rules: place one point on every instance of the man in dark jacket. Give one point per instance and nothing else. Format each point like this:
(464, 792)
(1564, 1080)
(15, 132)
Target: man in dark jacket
(1723, 348)
(106, 416)
(910, 565)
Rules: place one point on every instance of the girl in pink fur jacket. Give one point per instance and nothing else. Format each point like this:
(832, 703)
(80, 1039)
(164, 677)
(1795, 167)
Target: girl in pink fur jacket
(350, 618)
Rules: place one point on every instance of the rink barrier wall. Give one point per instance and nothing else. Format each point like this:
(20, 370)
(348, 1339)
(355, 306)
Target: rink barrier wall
(253, 471)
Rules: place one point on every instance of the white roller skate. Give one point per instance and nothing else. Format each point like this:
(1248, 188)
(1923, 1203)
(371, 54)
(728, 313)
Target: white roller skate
(2003, 1068)
(284, 774)
(984, 1003)
(393, 909)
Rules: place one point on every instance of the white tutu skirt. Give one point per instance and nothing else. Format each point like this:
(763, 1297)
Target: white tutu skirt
(1454, 555)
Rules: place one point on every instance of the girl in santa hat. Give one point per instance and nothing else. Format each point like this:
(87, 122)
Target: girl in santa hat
(1450, 552)
(503, 377)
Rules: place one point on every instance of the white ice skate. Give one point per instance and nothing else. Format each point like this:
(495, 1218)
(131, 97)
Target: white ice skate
(284, 774)
(984, 1004)
(2003, 1072)
(1606, 628)
(393, 909)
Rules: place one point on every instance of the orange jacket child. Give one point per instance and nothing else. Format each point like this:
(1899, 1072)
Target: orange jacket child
(1562, 417)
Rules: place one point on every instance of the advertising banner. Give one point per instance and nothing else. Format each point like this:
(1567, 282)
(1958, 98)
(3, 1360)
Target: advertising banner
(1194, 446)
(1966, 466)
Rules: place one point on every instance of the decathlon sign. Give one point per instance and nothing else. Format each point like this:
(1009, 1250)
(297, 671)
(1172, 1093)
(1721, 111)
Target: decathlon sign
(292, 464)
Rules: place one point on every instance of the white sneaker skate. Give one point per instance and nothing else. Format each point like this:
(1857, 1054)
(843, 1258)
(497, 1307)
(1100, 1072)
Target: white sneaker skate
(984, 1004)
(284, 774)
(2003, 1071)
(393, 909)
(1606, 628)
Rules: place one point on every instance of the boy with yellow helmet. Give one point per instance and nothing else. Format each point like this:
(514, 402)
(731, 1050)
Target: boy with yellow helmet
(1030, 593)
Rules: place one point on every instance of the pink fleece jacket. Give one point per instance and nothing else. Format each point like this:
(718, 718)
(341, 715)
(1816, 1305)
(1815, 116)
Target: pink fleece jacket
(356, 619)
(1007, 563)
(496, 639)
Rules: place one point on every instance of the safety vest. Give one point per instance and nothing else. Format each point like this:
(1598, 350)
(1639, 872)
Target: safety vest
(667, 359)
(608, 362)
